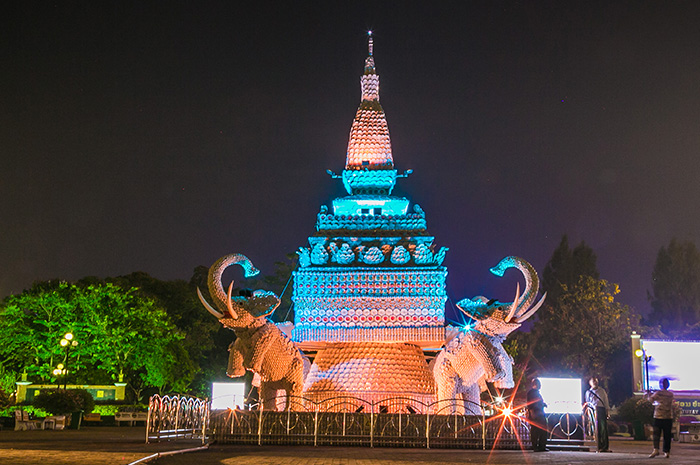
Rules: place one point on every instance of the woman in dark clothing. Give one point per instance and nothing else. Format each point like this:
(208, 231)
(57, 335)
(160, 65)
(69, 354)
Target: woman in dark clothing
(538, 420)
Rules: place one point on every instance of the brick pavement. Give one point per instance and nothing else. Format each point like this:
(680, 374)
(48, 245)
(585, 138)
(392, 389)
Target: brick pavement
(96, 445)
(120, 446)
(628, 453)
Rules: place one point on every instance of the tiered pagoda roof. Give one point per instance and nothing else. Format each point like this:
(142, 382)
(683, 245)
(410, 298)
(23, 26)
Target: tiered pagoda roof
(370, 273)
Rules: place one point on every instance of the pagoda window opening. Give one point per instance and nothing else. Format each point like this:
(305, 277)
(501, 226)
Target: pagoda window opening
(365, 211)
(377, 211)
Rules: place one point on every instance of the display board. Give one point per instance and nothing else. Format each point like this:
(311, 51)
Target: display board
(678, 361)
(562, 395)
(227, 395)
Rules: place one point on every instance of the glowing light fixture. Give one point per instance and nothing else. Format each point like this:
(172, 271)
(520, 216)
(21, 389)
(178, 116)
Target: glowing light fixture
(562, 395)
(227, 396)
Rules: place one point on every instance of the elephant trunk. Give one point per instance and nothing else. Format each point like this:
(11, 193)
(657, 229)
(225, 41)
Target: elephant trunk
(521, 306)
(222, 299)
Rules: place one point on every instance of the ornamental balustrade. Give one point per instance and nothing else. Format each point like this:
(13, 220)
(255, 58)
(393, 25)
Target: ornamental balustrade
(177, 417)
(351, 421)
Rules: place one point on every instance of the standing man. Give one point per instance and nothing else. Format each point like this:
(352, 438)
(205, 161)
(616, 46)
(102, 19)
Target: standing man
(597, 398)
(536, 417)
(663, 417)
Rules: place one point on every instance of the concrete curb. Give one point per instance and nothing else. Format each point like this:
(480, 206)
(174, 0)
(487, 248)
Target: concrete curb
(157, 455)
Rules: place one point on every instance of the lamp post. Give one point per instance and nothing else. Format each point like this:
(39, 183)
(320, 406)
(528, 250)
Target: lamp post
(59, 371)
(642, 354)
(68, 341)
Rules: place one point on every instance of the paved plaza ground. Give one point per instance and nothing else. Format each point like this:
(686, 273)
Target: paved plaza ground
(123, 445)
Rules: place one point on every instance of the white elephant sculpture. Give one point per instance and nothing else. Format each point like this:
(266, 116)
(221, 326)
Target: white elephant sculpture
(475, 355)
(260, 346)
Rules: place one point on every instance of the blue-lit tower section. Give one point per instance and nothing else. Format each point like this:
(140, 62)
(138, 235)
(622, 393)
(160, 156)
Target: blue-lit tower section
(369, 293)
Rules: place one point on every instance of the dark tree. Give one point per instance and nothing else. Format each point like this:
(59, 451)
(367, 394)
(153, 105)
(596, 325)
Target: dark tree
(563, 271)
(580, 330)
(566, 266)
(281, 283)
(675, 300)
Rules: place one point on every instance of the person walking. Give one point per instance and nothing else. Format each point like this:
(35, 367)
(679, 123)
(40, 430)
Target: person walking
(663, 417)
(536, 417)
(597, 398)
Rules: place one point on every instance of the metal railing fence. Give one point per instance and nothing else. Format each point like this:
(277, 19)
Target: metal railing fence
(352, 421)
(177, 417)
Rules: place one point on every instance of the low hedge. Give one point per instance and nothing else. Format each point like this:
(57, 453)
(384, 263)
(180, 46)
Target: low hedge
(61, 401)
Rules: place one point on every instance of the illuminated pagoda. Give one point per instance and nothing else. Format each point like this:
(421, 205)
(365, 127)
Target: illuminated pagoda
(369, 297)
(370, 294)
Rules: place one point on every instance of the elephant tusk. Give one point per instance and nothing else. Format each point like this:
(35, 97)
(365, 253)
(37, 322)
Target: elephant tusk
(209, 308)
(229, 304)
(514, 305)
(530, 312)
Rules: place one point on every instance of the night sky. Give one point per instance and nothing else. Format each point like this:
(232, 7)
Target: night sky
(159, 136)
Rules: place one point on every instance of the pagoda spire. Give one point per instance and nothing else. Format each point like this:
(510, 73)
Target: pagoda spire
(369, 147)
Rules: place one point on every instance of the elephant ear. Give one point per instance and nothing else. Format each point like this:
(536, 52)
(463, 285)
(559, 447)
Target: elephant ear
(261, 303)
(476, 308)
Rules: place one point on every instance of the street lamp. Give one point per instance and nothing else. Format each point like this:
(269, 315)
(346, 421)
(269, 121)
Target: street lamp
(59, 371)
(642, 354)
(68, 341)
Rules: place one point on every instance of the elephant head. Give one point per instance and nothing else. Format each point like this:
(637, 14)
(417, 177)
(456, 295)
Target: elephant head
(247, 310)
(498, 319)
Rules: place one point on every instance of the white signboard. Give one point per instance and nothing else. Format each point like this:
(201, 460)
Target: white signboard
(675, 360)
(562, 395)
(227, 395)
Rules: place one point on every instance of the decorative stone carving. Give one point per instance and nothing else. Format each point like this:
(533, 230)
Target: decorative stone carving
(440, 256)
(304, 257)
(400, 256)
(373, 256)
(319, 256)
(333, 251)
(345, 255)
(422, 255)
(369, 297)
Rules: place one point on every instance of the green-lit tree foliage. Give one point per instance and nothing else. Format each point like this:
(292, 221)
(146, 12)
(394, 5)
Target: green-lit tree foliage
(203, 351)
(33, 324)
(676, 290)
(119, 333)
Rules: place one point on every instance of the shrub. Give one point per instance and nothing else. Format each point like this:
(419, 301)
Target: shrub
(62, 401)
(106, 410)
(636, 409)
(35, 411)
(4, 398)
(613, 428)
(133, 408)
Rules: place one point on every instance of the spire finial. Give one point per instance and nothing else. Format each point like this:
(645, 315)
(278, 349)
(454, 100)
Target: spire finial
(369, 62)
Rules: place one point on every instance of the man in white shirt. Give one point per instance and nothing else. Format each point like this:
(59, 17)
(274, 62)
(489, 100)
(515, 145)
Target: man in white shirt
(597, 398)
